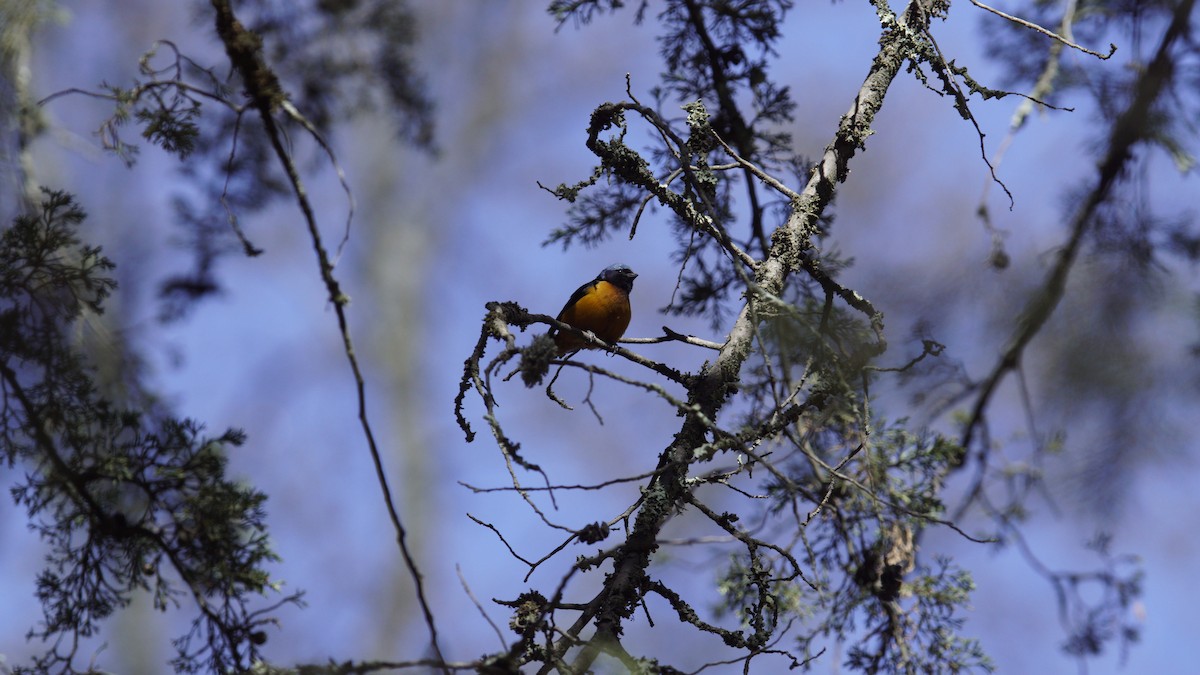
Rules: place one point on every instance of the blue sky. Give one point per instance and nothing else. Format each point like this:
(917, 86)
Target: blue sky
(437, 238)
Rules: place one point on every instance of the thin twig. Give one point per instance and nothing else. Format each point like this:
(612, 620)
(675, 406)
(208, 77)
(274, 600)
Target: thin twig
(1112, 48)
(258, 79)
(502, 539)
(765, 177)
(474, 600)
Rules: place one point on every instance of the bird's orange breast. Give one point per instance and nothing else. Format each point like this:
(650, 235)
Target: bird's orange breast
(603, 310)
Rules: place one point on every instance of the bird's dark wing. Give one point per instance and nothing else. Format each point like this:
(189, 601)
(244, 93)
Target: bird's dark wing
(575, 297)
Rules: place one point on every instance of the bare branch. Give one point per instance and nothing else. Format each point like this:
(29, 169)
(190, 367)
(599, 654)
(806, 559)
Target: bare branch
(1112, 48)
(266, 95)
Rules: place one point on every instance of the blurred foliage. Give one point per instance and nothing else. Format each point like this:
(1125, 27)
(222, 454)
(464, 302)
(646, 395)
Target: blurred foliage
(335, 60)
(128, 499)
(825, 547)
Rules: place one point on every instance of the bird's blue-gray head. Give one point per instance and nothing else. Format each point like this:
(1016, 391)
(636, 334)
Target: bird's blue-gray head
(619, 275)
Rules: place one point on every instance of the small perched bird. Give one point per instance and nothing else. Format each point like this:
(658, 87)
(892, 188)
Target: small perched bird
(600, 306)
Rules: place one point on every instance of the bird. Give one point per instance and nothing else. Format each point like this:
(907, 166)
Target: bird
(600, 306)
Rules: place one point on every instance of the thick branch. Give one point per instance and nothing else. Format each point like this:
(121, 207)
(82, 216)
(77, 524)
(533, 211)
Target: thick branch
(668, 490)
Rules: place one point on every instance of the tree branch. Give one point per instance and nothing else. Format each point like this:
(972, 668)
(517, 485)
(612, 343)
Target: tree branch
(713, 386)
(266, 94)
(1128, 131)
